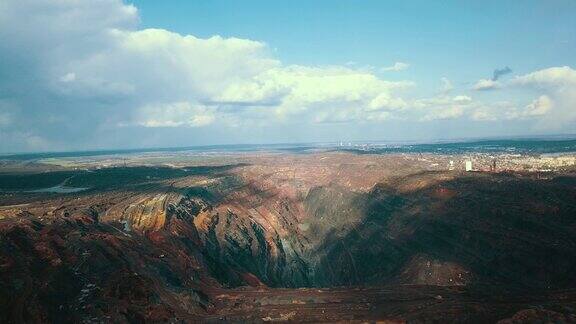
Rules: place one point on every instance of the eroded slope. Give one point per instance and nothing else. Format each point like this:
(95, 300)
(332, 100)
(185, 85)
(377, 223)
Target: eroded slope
(167, 242)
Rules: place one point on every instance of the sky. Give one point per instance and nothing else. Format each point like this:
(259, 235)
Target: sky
(103, 74)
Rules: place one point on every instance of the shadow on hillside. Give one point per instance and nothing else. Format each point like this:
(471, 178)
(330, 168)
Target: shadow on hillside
(512, 232)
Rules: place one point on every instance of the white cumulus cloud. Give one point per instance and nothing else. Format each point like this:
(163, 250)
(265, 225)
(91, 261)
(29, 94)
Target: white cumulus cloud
(174, 115)
(556, 107)
(84, 68)
(486, 84)
(446, 85)
(398, 66)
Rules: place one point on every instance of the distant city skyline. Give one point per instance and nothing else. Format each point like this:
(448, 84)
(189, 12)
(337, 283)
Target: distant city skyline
(109, 74)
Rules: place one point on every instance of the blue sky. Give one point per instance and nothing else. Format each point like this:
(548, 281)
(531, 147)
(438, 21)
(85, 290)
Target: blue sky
(463, 40)
(111, 73)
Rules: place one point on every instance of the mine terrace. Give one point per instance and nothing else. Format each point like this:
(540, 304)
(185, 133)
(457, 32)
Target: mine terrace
(320, 235)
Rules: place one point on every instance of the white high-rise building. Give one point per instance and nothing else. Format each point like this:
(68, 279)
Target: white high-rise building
(468, 165)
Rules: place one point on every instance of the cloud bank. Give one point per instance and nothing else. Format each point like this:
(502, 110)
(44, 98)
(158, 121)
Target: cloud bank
(82, 74)
(557, 104)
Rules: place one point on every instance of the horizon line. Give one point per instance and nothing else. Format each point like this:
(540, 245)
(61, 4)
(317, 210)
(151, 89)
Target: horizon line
(112, 151)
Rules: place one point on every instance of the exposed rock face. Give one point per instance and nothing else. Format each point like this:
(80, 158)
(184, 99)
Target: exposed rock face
(74, 269)
(539, 316)
(424, 270)
(164, 248)
(470, 230)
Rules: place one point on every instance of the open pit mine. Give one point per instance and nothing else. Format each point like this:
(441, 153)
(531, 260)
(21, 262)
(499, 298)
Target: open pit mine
(301, 237)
